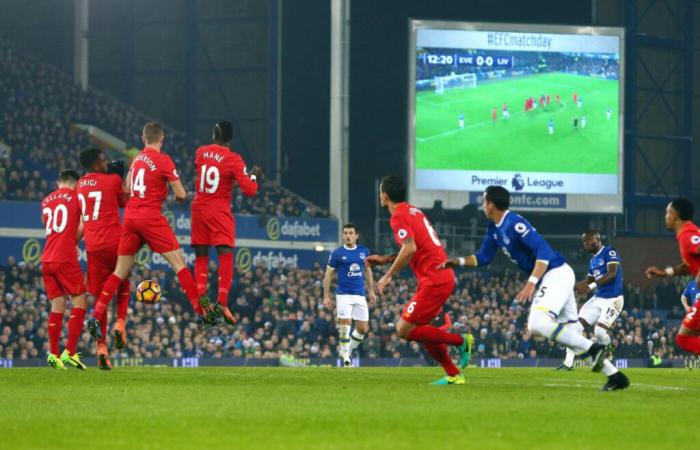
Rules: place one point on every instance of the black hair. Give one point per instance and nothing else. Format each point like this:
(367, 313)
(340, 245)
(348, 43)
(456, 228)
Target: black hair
(591, 232)
(684, 208)
(394, 188)
(499, 196)
(68, 176)
(353, 226)
(89, 156)
(223, 131)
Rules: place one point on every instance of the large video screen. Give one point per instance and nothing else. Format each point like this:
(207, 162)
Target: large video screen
(534, 108)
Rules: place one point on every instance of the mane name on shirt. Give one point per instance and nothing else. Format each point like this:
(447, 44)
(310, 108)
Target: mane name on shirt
(219, 158)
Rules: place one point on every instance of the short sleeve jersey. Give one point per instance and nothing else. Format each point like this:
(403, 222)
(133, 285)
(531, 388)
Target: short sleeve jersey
(218, 169)
(409, 222)
(349, 264)
(150, 173)
(100, 196)
(689, 245)
(520, 242)
(60, 212)
(598, 267)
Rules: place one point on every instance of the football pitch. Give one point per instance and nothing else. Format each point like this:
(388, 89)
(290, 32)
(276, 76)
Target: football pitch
(327, 408)
(521, 143)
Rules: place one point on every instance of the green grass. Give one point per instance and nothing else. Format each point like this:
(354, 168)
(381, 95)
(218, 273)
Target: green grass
(325, 408)
(521, 143)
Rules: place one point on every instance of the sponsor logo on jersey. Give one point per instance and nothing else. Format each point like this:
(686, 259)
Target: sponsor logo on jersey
(354, 271)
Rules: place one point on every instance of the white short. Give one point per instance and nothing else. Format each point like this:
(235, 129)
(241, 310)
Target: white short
(555, 295)
(602, 310)
(352, 307)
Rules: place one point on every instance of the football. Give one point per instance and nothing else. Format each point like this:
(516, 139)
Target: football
(148, 291)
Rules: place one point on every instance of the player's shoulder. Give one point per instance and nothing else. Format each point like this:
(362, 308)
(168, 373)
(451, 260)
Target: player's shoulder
(610, 252)
(517, 223)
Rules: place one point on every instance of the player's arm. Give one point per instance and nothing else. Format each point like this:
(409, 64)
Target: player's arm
(327, 278)
(380, 260)
(544, 252)
(119, 191)
(482, 258)
(248, 183)
(684, 302)
(408, 249)
(678, 270)
(80, 232)
(582, 287)
(178, 190)
(369, 284)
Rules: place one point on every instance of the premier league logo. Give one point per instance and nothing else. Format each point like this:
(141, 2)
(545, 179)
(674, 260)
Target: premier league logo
(518, 182)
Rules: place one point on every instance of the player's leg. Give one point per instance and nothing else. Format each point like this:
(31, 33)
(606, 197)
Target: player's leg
(556, 294)
(688, 337)
(70, 356)
(184, 276)
(201, 267)
(590, 312)
(122, 308)
(610, 311)
(55, 324)
(360, 315)
(344, 321)
(225, 254)
(124, 264)
(100, 264)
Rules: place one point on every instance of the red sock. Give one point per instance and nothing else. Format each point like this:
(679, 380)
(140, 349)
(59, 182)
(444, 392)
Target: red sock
(55, 325)
(103, 328)
(75, 328)
(123, 299)
(430, 335)
(440, 354)
(689, 343)
(201, 273)
(187, 285)
(108, 291)
(225, 277)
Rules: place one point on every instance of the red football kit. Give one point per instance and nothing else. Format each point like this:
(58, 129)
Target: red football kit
(689, 245)
(218, 169)
(59, 261)
(144, 221)
(101, 195)
(434, 285)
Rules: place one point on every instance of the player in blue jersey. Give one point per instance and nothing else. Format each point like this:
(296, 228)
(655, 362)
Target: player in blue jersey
(550, 126)
(354, 281)
(550, 285)
(605, 279)
(691, 295)
(460, 120)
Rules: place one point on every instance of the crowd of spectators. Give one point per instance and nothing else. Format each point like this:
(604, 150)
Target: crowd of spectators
(280, 314)
(39, 106)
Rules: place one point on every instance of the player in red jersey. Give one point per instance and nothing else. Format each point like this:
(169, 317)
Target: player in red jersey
(101, 194)
(679, 218)
(218, 169)
(60, 270)
(422, 250)
(149, 176)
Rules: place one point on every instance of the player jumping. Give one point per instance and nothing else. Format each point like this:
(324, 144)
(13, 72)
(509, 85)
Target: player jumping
(679, 218)
(218, 169)
(101, 194)
(605, 278)
(348, 261)
(422, 250)
(150, 173)
(553, 307)
(60, 212)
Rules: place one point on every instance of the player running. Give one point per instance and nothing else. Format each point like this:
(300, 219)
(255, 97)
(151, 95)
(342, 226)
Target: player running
(554, 306)
(605, 278)
(550, 126)
(150, 173)
(348, 261)
(218, 169)
(60, 212)
(679, 218)
(101, 194)
(422, 250)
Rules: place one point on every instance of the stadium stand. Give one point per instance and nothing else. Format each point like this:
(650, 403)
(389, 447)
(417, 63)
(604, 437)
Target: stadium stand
(39, 108)
(280, 313)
